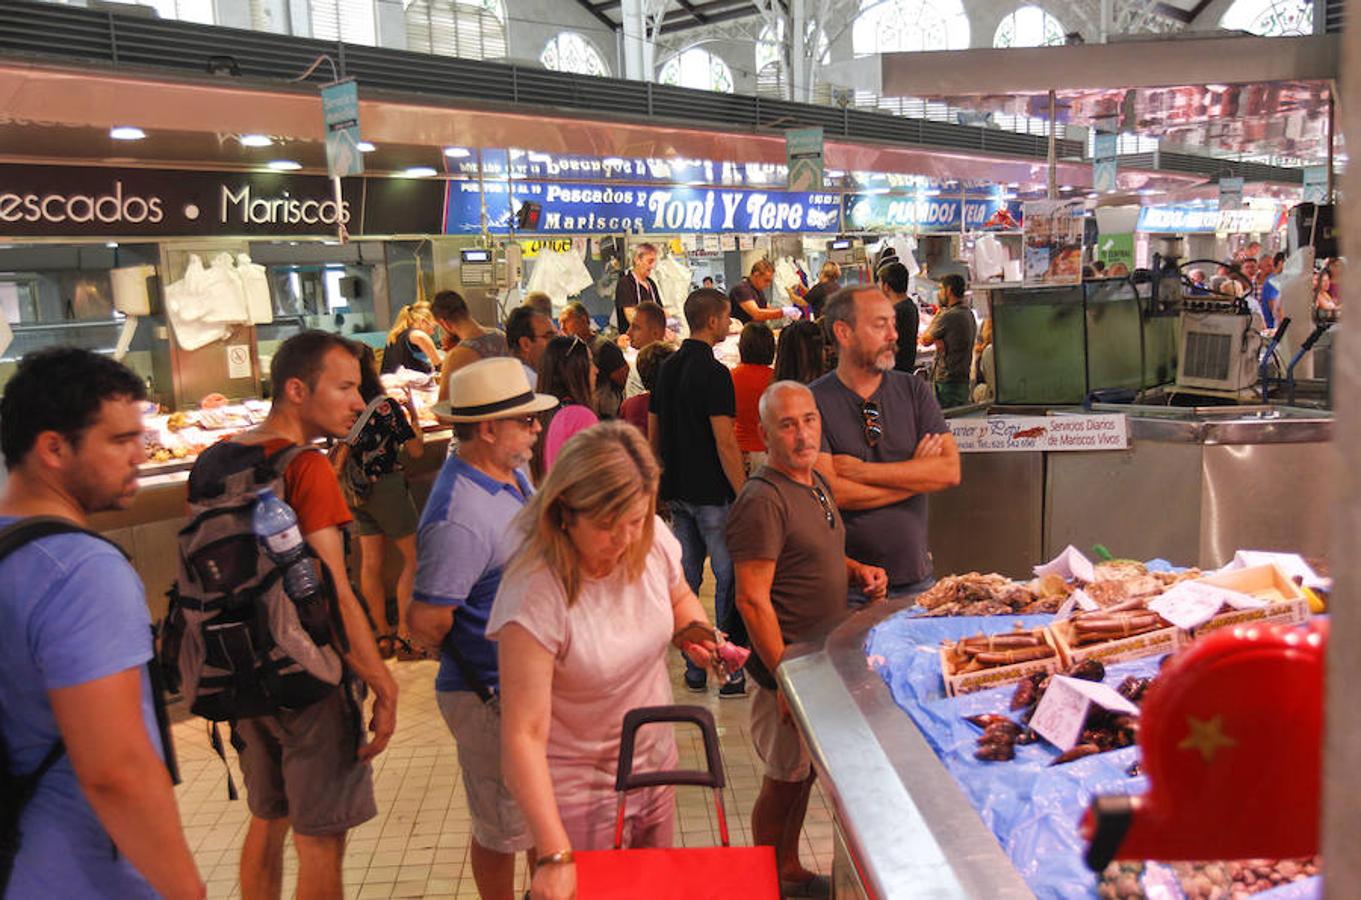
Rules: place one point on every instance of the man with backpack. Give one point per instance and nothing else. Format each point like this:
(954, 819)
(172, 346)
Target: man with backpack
(305, 763)
(462, 545)
(87, 795)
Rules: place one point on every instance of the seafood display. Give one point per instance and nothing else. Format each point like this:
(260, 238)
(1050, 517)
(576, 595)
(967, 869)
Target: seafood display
(1107, 625)
(986, 651)
(975, 594)
(1236, 880)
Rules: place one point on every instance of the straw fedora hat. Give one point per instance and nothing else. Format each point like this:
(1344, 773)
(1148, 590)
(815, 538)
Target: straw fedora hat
(495, 388)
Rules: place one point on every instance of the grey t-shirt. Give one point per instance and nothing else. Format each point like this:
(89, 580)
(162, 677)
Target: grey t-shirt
(893, 537)
(955, 328)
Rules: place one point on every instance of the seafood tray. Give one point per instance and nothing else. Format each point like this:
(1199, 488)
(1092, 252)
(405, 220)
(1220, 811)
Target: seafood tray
(985, 661)
(1114, 636)
(1287, 604)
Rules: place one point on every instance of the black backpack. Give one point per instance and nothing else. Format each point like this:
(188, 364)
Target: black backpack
(17, 791)
(235, 644)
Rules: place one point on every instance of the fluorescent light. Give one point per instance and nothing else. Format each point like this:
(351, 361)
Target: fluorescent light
(256, 140)
(457, 152)
(1093, 195)
(126, 133)
(284, 165)
(365, 147)
(112, 245)
(1066, 187)
(419, 172)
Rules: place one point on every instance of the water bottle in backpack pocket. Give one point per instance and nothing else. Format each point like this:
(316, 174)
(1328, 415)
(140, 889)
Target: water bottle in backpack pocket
(253, 627)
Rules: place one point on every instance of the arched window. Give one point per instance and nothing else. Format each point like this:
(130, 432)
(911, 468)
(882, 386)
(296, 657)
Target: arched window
(472, 29)
(570, 52)
(772, 79)
(1029, 26)
(889, 26)
(697, 68)
(351, 21)
(1270, 18)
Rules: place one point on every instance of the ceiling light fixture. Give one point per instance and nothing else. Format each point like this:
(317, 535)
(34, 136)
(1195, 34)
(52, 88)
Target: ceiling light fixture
(126, 133)
(365, 147)
(256, 140)
(457, 152)
(419, 172)
(284, 165)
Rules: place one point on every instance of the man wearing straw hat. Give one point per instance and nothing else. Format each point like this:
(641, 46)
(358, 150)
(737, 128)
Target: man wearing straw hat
(462, 544)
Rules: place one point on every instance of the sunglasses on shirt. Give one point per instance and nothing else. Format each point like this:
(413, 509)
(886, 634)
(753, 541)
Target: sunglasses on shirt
(826, 506)
(869, 412)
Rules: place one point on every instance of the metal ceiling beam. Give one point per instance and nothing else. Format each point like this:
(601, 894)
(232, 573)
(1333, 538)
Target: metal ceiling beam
(683, 23)
(1199, 8)
(713, 10)
(596, 11)
(694, 13)
(1175, 13)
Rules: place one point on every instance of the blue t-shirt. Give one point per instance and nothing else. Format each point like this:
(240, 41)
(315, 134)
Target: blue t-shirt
(72, 611)
(463, 543)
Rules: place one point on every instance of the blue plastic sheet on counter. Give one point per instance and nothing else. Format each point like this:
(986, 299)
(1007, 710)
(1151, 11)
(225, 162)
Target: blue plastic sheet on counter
(1032, 808)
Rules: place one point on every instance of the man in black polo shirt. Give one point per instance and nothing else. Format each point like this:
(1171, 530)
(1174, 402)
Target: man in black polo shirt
(749, 297)
(691, 417)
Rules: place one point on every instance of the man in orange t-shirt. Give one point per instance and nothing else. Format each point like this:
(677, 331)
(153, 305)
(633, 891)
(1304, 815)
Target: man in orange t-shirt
(301, 767)
(756, 349)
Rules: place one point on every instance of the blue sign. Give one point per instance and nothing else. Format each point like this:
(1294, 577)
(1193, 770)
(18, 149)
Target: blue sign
(608, 208)
(888, 212)
(1104, 162)
(530, 165)
(340, 106)
(1178, 219)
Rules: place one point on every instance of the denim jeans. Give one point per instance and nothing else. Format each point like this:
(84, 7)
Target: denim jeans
(700, 530)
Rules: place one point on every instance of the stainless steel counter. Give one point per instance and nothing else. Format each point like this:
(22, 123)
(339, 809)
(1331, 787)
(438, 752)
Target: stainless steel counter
(1195, 485)
(906, 827)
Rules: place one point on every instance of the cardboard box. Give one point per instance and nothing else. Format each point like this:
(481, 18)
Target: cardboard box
(1158, 642)
(1287, 604)
(997, 676)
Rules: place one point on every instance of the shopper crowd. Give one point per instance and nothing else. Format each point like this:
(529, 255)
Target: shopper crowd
(554, 569)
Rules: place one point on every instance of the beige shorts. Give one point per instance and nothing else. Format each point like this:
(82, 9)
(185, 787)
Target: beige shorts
(498, 824)
(778, 742)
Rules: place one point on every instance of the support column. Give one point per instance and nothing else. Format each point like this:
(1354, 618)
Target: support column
(636, 49)
(1341, 827)
(800, 64)
(1053, 146)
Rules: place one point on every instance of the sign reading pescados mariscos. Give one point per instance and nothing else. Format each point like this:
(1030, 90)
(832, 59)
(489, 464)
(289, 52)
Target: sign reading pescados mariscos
(578, 209)
(68, 201)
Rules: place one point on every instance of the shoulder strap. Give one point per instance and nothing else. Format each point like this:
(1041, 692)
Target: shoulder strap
(17, 534)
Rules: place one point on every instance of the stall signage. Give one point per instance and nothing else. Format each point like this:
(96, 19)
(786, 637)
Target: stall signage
(1249, 221)
(596, 209)
(888, 212)
(535, 166)
(999, 434)
(1104, 162)
(1178, 219)
(1315, 184)
(71, 201)
(1230, 193)
(340, 107)
(803, 152)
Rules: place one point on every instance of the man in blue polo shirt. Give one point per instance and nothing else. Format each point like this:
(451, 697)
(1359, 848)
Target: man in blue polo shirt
(462, 545)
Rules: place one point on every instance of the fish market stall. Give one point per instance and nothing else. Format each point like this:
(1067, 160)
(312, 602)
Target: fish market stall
(934, 735)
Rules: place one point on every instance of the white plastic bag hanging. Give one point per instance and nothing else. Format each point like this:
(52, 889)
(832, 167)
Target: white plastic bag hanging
(187, 302)
(227, 305)
(259, 307)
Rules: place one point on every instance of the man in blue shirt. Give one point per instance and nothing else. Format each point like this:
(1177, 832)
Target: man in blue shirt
(75, 637)
(462, 545)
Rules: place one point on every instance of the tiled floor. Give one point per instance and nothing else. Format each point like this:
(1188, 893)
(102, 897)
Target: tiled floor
(418, 844)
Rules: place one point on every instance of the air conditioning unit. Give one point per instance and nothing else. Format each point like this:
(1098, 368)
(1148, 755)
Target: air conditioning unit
(1219, 352)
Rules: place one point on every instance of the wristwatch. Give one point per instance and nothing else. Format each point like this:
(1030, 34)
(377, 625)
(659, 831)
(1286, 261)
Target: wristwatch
(562, 856)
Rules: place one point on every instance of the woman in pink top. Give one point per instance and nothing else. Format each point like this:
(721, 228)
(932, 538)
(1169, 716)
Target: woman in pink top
(585, 617)
(566, 371)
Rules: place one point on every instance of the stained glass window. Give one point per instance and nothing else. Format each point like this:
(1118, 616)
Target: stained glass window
(1029, 26)
(570, 52)
(890, 26)
(697, 68)
(771, 77)
(1270, 18)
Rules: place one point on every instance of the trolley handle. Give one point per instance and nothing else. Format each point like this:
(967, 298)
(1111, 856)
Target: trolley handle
(627, 779)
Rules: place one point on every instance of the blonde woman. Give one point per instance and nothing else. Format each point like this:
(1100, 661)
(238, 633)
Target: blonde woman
(410, 344)
(586, 614)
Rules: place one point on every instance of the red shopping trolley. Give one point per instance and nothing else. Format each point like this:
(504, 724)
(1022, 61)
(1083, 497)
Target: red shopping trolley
(681, 873)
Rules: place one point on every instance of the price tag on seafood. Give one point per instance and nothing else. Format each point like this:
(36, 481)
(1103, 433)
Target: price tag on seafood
(1063, 709)
(1193, 603)
(996, 434)
(1069, 565)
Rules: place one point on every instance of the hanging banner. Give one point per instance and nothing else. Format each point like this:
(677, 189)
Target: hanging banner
(597, 209)
(1053, 242)
(888, 212)
(340, 106)
(1230, 193)
(1116, 248)
(1178, 219)
(803, 151)
(1315, 184)
(1104, 162)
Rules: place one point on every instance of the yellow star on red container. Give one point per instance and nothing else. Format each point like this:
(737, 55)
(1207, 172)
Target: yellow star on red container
(1207, 737)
